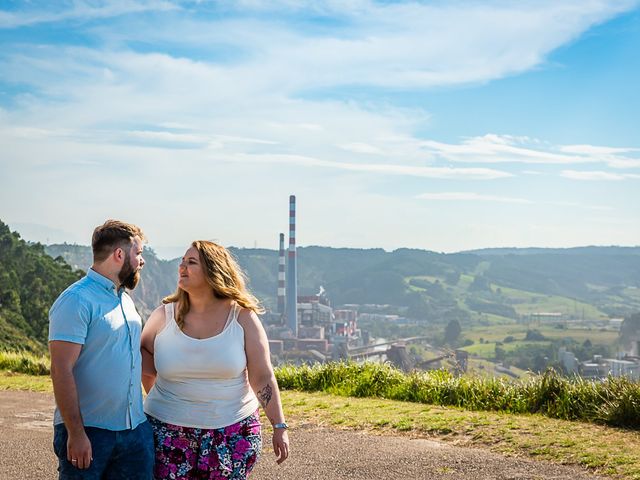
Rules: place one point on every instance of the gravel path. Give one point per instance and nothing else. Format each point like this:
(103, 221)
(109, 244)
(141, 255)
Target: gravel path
(323, 454)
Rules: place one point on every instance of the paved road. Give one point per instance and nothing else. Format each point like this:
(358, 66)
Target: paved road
(317, 454)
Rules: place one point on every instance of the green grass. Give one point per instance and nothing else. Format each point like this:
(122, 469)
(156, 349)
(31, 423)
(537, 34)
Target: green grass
(519, 331)
(615, 401)
(530, 302)
(524, 302)
(22, 381)
(24, 363)
(487, 350)
(606, 450)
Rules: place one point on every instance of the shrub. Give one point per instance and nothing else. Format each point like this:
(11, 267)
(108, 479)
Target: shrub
(24, 363)
(615, 401)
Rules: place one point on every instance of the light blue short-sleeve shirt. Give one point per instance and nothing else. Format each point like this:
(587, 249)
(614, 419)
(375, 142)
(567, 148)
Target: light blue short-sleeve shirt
(93, 313)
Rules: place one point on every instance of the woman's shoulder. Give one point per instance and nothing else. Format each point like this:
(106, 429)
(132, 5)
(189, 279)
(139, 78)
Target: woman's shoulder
(246, 317)
(157, 319)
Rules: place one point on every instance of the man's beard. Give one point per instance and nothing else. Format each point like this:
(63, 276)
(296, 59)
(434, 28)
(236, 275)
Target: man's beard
(128, 277)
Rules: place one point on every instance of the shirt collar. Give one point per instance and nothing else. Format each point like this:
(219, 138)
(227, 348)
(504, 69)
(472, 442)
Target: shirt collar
(101, 280)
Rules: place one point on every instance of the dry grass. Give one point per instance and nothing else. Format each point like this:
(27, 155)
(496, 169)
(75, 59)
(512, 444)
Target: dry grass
(607, 450)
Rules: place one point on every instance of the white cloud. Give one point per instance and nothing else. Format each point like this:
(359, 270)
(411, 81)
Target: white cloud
(377, 168)
(592, 150)
(360, 147)
(50, 12)
(614, 157)
(493, 148)
(597, 175)
(470, 196)
(476, 197)
(231, 107)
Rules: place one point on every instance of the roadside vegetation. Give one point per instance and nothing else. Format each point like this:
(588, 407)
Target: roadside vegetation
(605, 450)
(24, 362)
(614, 401)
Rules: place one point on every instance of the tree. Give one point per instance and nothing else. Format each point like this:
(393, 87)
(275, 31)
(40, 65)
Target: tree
(452, 277)
(480, 284)
(30, 281)
(452, 332)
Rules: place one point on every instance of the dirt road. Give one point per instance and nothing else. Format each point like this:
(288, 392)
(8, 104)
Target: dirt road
(322, 454)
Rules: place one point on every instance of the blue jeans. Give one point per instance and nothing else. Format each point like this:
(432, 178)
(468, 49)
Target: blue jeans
(124, 454)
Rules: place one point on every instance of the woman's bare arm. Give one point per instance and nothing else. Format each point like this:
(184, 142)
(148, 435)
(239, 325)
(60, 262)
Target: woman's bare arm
(262, 379)
(152, 327)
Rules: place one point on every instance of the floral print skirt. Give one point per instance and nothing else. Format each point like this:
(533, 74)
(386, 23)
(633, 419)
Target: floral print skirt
(199, 453)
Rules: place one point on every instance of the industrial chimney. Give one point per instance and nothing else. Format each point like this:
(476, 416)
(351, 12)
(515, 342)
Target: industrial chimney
(281, 266)
(292, 272)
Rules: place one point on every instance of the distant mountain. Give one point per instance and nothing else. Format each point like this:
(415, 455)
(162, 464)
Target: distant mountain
(426, 283)
(612, 250)
(37, 233)
(158, 278)
(586, 282)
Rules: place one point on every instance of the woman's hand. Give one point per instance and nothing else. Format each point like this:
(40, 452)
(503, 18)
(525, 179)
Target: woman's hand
(280, 444)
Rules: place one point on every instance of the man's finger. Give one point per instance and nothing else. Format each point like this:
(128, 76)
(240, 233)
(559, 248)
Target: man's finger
(87, 459)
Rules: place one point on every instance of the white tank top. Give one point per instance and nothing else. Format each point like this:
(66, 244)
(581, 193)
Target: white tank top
(200, 383)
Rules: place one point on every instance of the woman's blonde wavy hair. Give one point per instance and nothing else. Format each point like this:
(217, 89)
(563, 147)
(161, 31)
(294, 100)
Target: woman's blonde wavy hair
(223, 274)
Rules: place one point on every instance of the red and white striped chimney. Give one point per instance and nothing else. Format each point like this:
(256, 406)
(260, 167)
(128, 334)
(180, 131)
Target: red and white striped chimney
(292, 271)
(281, 277)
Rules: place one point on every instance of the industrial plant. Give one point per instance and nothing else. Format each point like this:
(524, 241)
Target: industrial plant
(307, 328)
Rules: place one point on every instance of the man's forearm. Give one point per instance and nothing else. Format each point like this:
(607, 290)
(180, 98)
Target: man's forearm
(66, 394)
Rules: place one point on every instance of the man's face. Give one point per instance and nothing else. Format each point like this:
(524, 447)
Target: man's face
(129, 275)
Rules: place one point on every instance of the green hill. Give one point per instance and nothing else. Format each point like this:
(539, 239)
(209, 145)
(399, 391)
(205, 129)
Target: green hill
(158, 278)
(493, 285)
(30, 280)
(591, 281)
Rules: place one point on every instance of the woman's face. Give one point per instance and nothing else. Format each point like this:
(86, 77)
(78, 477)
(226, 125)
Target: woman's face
(190, 271)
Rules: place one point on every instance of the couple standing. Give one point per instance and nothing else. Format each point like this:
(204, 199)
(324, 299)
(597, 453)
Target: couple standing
(203, 357)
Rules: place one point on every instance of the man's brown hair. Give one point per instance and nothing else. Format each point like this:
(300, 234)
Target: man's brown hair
(113, 234)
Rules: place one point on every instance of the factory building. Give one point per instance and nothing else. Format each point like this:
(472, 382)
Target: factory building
(304, 323)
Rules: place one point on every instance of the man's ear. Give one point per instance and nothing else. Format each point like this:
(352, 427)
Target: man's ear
(118, 254)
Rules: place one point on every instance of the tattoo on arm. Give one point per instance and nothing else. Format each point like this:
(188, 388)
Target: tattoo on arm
(264, 396)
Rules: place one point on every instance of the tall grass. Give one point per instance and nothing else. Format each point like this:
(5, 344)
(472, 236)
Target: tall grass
(24, 363)
(614, 401)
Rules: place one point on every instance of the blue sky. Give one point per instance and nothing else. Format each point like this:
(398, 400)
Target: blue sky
(438, 125)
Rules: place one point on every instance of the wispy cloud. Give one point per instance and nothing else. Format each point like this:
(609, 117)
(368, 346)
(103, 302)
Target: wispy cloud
(597, 175)
(257, 96)
(476, 197)
(470, 197)
(377, 168)
(615, 157)
(53, 12)
(494, 148)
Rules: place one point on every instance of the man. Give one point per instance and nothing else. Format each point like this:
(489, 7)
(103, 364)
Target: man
(100, 429)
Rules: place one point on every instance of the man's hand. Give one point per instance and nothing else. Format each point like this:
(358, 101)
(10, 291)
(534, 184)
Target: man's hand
(79, 450)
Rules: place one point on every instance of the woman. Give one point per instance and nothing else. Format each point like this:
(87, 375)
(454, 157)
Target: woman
(206, 367)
